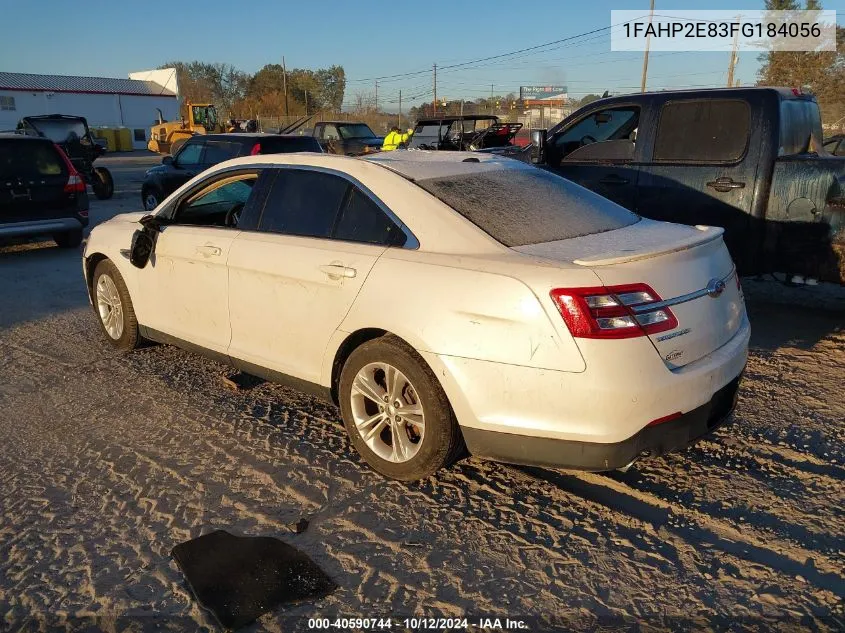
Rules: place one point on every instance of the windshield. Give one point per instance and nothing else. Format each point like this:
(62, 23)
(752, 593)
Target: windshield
(205, 116)
(61, 131)
(355, 130)
(528, 206)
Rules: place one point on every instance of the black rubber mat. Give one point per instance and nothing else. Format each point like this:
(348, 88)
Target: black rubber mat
(240, 578)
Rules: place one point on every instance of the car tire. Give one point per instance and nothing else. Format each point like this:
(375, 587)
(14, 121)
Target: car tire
(406, 442)
(69, 239)
(151, 195)
(103, 183)
(111, 297)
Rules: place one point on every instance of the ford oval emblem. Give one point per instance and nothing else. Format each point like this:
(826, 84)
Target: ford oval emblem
(715, 287)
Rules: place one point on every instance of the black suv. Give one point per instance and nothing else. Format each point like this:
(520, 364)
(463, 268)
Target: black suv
(41, 193)
(201, 152)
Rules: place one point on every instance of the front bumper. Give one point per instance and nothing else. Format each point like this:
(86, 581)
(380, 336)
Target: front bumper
(651, 441)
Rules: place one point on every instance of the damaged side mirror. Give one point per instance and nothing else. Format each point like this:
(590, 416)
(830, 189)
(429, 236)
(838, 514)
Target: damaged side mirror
(143, 241)
(142, 248)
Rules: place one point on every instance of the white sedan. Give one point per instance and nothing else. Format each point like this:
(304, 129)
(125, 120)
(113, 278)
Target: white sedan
(445, 301)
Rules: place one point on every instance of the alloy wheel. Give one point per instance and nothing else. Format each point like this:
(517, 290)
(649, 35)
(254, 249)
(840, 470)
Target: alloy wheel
(109, 306)
(387, 412)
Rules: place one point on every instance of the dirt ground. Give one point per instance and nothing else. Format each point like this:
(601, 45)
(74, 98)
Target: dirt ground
(107, 461)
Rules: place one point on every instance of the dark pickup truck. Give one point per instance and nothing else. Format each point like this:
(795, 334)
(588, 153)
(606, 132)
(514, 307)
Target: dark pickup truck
(347, 137)
(747, 159)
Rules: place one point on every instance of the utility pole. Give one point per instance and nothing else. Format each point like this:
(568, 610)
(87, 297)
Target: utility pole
(376, 96)
(285, 84)
(400, 109)
(645, 55)
(734, 59)
(434, 103)
(491, 99)
(306, 103)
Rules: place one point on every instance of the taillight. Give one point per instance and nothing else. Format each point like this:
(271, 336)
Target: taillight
(83, 213)
(74, 183)
(613, 311)
(256, 149)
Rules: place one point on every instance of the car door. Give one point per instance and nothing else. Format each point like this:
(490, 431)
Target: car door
(598, 151)
(701, 166)
(185, 285)
(186, 164)
(293, 280)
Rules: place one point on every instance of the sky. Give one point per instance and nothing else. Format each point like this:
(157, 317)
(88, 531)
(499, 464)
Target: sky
(370, 39)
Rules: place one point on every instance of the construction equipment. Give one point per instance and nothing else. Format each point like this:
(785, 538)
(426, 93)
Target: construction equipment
(166, 137)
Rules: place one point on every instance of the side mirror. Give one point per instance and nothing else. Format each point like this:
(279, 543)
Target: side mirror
(167, 160)
(538, 140)
(142, 248)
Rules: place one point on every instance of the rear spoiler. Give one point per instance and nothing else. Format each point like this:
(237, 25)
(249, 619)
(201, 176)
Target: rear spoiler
(708, 234)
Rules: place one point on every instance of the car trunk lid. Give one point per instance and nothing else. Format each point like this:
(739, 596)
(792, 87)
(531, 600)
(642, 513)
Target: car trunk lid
(688, 267)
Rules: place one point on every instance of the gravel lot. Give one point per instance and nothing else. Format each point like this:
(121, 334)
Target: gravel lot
(107, 461)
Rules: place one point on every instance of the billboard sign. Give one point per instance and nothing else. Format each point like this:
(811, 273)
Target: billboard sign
(542, 92)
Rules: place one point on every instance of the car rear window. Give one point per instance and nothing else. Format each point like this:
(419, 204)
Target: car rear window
(706, 130)
(528, 206)
(27, 158)
(287, 145)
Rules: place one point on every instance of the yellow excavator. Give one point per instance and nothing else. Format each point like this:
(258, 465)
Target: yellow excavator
(166, 137)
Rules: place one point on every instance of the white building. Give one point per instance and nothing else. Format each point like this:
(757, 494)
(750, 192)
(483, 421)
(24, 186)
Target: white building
(104, 101)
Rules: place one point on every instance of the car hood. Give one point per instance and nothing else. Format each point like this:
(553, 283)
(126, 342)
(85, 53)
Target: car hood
(135, 216)
(371, 141)
(158, 169)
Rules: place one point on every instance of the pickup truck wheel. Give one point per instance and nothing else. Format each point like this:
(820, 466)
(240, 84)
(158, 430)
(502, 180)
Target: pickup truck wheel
(114, 307)
(395, 411)
(69, 239)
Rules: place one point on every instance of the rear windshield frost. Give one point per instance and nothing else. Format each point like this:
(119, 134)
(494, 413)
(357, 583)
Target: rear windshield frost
(528, 206)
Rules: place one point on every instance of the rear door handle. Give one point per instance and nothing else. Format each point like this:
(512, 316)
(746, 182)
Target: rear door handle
(337, 270)
(725, 184)
(613, 180)
(208, 250)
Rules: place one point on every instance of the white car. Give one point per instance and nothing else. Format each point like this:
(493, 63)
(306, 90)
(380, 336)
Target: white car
(442, 300)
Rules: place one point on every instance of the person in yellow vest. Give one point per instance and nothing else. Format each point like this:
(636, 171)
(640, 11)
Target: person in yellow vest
(406, 137)
(392, 140)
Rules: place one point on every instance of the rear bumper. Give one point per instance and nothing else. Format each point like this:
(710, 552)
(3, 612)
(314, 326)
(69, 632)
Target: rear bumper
(39, 227)
(594, 456)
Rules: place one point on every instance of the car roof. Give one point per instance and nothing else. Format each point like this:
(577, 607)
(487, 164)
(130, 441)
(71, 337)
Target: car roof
(23, 137)
(343, 123)
(236, 136)
(455, 117)
(423, 164)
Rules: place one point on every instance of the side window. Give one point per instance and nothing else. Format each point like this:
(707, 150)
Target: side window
(610, 134)
(218, 151)
(362, 221)
(219, 203)
(708, 131)
(303, 202)
(190, 155)
(330, 133)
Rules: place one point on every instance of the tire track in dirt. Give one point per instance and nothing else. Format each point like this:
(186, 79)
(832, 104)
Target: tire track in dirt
(706, 530)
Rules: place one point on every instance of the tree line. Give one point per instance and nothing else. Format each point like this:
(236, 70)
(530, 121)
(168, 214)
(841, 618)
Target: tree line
(822, 73)
(239, 94)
